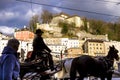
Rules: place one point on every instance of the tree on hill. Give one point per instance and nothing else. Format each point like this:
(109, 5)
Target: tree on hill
(99, 27)
(85, 28)
(32, 23)
(46, 16)
(96, 27)
(68, 29)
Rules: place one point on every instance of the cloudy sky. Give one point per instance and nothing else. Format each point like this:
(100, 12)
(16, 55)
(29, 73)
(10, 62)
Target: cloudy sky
(17, 13)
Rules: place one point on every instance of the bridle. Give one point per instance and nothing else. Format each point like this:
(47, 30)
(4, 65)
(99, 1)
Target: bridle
(108, 63)
(109, 60)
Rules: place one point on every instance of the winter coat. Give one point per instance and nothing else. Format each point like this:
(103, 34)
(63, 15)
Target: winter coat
(39, 45)
(9, 64)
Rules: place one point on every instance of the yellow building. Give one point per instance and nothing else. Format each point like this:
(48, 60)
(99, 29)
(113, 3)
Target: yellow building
(81, 42)
(76, 20)
(52, 40)
(74, 52)
(94, 47)
(63, 17)
(70, 19)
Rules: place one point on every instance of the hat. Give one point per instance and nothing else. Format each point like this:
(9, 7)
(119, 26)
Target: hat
(38, 31)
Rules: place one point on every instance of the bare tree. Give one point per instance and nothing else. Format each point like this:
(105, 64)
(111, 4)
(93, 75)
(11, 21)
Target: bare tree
(46, 16)
(32, 23)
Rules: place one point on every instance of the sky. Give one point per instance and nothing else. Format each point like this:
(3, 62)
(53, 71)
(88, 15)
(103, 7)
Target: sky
(17, 13)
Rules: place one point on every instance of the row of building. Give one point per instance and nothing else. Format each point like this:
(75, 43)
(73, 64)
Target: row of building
(69, 47)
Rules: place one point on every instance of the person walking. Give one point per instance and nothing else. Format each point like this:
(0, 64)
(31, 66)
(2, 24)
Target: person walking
(9, 61)
(22, 55)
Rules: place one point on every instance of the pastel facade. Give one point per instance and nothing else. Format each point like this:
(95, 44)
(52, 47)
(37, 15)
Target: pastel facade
(76, 20)
(62, 17)
(54, 41)
(24, 35)
(74, 52)
(94, 47)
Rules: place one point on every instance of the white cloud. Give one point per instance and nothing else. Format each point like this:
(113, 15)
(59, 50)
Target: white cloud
(30, 12)
(57, 10)
(113, 7)
(7, 15)
(7, 30)
(110, 5)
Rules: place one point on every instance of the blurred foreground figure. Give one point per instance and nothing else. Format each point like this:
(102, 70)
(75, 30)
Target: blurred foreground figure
(9, 61)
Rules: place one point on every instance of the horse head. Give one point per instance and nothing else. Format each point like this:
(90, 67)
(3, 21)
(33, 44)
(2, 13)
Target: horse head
(113, 53)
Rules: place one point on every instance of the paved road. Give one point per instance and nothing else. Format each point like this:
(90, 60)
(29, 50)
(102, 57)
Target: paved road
(112, 79)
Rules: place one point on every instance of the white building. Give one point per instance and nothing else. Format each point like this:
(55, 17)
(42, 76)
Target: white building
(3, 43)
(61, 44)
(64, 41)
(26, 46)
(57, 48)
(73, 43)
(70, 43)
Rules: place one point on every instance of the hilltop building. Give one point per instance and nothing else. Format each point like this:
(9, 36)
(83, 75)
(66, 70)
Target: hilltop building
(62, 17)
(53, 29)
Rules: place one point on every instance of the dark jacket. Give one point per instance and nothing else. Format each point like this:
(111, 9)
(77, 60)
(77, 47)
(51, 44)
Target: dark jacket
(39, 45)
(9, 64)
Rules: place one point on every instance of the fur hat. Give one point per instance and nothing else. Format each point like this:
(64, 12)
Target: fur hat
(38, 31)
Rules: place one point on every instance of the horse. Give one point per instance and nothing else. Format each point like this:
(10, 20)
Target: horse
(101, 67)
(86, 66)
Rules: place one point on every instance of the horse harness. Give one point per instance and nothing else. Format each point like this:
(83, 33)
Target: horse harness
(108, 64)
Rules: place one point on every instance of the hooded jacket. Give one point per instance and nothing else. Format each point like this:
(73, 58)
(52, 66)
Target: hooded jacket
(9, 64)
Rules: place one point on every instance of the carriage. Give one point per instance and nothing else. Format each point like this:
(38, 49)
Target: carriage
(85, 65)
(37, 68)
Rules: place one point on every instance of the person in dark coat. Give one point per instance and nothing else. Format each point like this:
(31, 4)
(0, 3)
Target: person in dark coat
(9, 61)
(40, 46)
(22, 55)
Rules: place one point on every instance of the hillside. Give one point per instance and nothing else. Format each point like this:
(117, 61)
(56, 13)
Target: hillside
(86, 27)
(98, 27)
